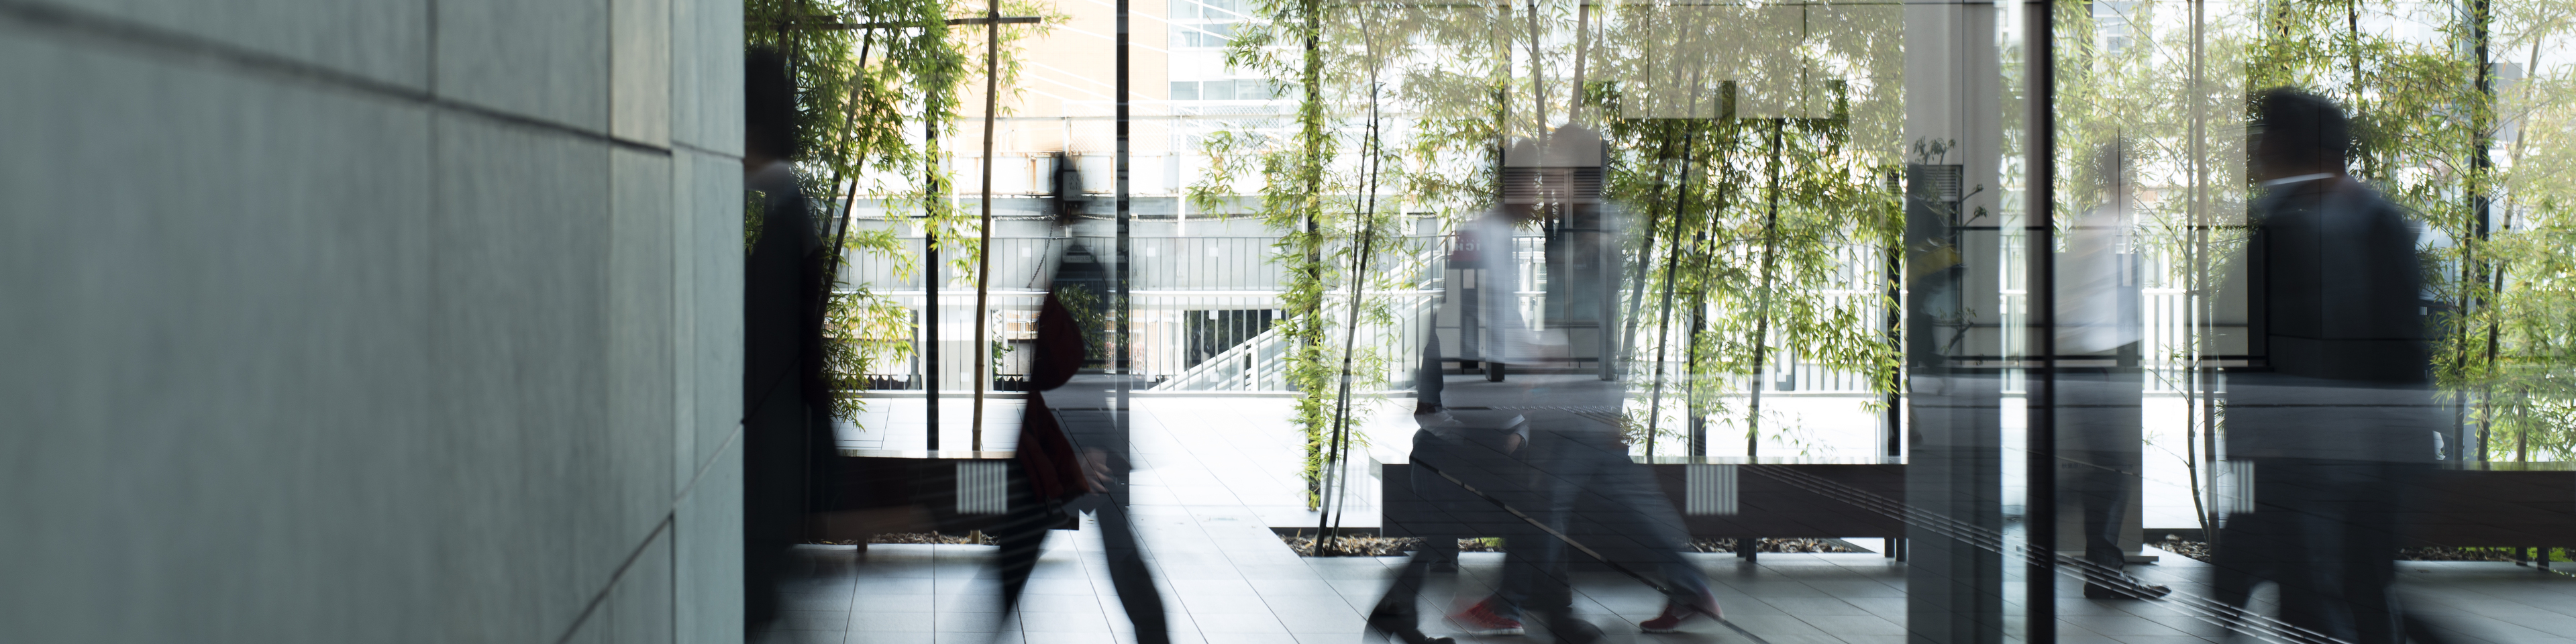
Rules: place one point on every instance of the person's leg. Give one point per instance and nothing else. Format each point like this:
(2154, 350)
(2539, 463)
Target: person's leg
(1570, 472)
(1397, 613)
(773, 505)
(2370, 567)
(2235, 564)
(1642, 525)
(1535, 581)
(2101, 489)
(1021, 536)
(1498, 613)
(1525, 563)
(2311, 556)
(1488, 465)
(1630, 521)
(1128, 574)
(761, 564)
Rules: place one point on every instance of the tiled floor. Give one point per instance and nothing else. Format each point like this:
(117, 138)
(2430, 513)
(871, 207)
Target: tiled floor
(1258, 592)
(1205, 501)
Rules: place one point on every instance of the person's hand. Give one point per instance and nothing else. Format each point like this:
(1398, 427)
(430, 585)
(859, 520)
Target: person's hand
(1095, 469)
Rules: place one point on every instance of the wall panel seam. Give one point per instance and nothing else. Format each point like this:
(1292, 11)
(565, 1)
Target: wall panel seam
(60, 22)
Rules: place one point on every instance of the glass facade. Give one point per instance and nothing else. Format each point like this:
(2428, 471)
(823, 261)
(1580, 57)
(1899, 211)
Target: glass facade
(1943, 322)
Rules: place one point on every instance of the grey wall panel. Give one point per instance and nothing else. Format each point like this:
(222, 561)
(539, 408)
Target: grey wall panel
(212, 350)
(518, 346)
(642, 338)
(300, 357)
(706, 75)
(640, 70)
(638, 610)
(707, 572)
(384, 40)
(547, 60)
(707, 526)
(710, 243)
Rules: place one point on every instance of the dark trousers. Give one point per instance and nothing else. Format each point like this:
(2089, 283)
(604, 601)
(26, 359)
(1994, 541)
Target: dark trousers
(780, 472)
(2325, 532)
(1611, 504)
(2099, 480)
(1022, 535)
(1448, 511)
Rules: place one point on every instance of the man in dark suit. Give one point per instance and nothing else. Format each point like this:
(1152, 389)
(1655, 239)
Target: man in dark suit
(2340, 413)
(786, 404)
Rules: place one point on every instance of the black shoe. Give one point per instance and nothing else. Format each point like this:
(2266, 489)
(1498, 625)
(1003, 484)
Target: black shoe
(1403, 628)
(2139, 591)
(1569, 630)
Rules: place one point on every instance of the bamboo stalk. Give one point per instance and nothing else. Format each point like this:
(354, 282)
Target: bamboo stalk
(1672, 259)
(984, 233)
(1762, 321)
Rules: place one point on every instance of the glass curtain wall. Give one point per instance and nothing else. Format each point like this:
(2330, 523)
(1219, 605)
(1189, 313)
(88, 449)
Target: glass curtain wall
(1996, 289)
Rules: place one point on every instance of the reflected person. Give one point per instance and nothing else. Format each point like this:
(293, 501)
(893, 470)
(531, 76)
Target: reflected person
(1460, 459)
(2341, 414)
(1584, 484)
(2099, 405)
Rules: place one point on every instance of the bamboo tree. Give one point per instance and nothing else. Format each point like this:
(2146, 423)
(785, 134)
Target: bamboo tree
(858, 111)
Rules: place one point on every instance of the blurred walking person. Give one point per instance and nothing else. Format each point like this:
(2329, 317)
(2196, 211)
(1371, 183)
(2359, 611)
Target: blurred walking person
(1463, 461)
(787, 441)
(1580, 473)
(1073, 454)
(2341, 417)
(2099, 408)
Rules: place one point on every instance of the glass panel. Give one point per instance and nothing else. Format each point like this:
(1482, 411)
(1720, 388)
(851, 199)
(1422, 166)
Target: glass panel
(1985, 304)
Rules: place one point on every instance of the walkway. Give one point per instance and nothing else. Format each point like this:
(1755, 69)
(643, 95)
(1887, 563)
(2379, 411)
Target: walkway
(1206, 498)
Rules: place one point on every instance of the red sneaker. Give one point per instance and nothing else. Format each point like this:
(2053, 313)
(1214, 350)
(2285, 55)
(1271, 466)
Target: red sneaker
(1676, 612)
(1481, 620)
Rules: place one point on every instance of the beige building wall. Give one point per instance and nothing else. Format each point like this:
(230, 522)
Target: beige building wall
(1065, 102)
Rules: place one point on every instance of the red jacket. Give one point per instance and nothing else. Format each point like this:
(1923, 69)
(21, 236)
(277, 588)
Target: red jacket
(1049, 455)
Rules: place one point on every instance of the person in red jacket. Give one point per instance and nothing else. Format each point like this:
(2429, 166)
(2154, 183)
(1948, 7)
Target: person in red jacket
(1072, 457)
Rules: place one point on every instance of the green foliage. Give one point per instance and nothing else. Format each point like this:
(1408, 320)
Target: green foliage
(2430, 137)
(1754, 226)
(1466, 77)
(1326, 191)
(873, 76)
(2483, 168)
(2523, 371)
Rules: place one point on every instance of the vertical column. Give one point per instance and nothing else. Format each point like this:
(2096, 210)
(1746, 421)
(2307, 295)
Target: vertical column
(1124, 301)
(1953, 323)
(2039, 575)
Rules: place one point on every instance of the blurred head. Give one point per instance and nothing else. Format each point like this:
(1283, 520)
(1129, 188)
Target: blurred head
(768, 107)
(2109, 170)
(1519, 182)
(2298, 133)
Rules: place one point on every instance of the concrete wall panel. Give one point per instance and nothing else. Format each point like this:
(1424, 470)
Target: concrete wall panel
(706, 75)
(711, 248)
(642, 332)
(547, 60)
(215, 355)
(519, 348)
(708, 589)
(383, 40)
(640, 70)
(299, 357)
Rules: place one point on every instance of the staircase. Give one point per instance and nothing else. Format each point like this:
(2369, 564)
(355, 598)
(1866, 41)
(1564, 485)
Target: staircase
(1250, 366)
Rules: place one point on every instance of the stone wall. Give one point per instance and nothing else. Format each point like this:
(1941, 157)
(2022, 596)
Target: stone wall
(369, 321)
